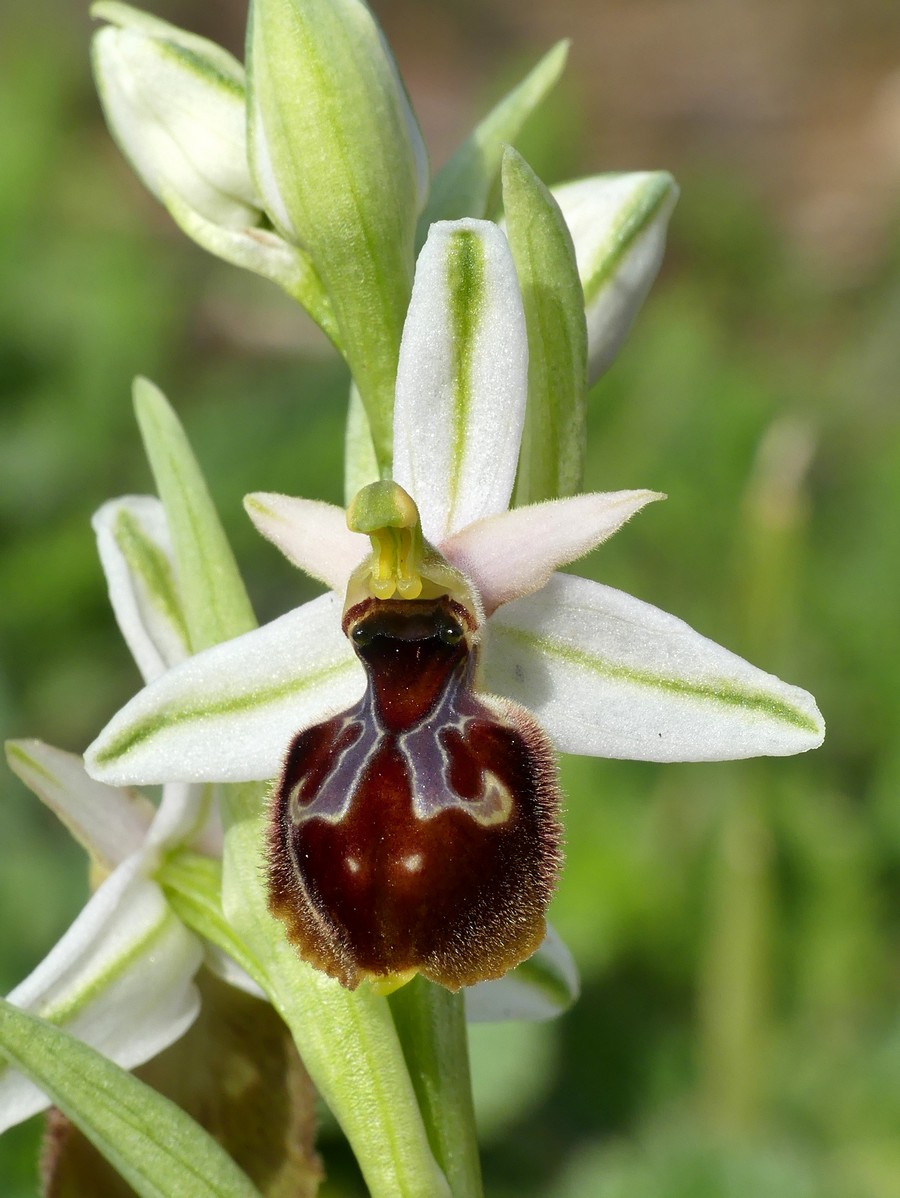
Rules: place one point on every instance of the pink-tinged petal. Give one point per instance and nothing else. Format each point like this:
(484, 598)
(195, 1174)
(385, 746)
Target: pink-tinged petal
(462, 378)
(312, 535)
(108, 822)
(610, 676)
(120, 979)
(229, 713)
(136, 554)
(513, 554)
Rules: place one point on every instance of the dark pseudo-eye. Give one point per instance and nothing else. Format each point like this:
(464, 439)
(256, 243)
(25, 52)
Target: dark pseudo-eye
(418, 830)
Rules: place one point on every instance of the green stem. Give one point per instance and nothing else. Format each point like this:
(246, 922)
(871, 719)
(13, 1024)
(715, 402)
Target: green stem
(431, 1025)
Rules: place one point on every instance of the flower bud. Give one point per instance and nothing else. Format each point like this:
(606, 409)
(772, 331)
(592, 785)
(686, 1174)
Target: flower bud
(618, 224)
(340, 165)
(175, 103)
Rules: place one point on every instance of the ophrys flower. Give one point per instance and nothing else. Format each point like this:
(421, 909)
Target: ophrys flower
(601, 672)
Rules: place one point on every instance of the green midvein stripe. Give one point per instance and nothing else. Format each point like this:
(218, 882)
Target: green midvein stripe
(65, 1011)
(202, 67)
(631, 224)
(149, 563)
(143, 730)
(537, 976)
(30, 763)
(465, 281)
(717, 692)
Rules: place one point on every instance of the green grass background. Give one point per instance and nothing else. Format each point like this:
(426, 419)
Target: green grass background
(736, 925)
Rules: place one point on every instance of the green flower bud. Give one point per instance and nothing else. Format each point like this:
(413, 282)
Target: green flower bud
(339, 162)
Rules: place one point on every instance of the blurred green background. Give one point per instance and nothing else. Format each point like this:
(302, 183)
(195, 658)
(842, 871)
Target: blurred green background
(736, 925)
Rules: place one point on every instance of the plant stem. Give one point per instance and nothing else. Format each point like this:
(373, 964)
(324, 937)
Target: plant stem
(432, 1029)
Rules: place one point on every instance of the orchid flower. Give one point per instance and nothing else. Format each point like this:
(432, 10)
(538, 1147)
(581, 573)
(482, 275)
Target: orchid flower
(593, 670)
(121, 977)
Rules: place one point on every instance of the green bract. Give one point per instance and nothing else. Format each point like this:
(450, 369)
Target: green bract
(153, 1144)
(467, 184)
(551, 459)
(618, 225)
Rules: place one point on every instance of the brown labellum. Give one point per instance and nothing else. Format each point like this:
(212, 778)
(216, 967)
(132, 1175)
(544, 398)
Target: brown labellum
(418, 831)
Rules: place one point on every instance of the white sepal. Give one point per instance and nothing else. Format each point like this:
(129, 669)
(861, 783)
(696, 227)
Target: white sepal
(618, 224)
(175, 103)
(229, 713)
(540, 988)
(610, 676)
(462, 379)
(136, 554)
(107, 822)
(120, 979)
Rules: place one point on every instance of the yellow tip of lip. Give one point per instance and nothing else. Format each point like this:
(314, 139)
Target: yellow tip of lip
(386, 983)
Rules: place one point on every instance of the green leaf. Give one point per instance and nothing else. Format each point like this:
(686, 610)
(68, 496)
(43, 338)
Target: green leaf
(155, 1146)
(214, 600)
(464, 186)
(237, 1072)
(554, 440)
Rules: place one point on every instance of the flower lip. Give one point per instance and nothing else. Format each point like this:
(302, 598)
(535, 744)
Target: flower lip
(416, 831)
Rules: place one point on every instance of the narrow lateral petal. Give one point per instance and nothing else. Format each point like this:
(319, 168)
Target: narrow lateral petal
(312, 535)
(610, 676)
(540, 988)
(108, 822)
(136, 554)
(229, 713)
(618, 224)
(462, 379)
(513, 554)
(120, 979)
